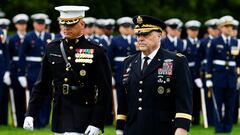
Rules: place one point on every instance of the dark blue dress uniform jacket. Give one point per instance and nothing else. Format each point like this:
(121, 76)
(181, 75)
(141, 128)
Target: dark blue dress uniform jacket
(220, 63)
(160, 100)
(81, 94)
(118, 50)
(168, 45)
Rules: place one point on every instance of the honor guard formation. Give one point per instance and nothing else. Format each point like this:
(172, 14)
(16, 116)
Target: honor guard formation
(141, 72)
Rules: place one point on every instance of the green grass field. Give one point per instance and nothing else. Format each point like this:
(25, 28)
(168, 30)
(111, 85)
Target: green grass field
(198, 130)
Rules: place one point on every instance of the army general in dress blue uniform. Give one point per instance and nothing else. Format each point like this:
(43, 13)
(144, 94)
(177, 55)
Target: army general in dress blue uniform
(156, 93)
(81, 74)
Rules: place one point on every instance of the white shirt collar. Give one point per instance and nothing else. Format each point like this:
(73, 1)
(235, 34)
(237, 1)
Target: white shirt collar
(151, 56)
(172, 39)
(192, 40)
(225, 38)
(210, 36)
(21, 36)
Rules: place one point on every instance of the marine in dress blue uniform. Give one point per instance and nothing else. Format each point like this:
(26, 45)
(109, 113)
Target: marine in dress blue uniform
(222, 62)
(213, 32)
(191, 43)
(82, 88)
(172, 41)
(30, 57)
(20, 21)
(156, 94)
(3, 69)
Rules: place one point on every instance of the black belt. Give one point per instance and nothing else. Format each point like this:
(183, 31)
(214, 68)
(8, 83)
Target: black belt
(66, 88)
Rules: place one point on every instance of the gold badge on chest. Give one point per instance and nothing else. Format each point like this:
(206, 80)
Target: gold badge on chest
(234, 50)
(84, 55)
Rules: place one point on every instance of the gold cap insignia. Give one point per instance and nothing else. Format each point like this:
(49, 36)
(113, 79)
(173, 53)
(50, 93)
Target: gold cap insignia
(139, 20)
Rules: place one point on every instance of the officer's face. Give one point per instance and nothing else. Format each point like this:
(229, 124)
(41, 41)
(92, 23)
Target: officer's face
(89, 30)
(192, 33)
(148, 43)
(227, 30)
(125, 30)
(172, 32)
(74, 31)
(39, 26)
(213, 31)
(21, 27)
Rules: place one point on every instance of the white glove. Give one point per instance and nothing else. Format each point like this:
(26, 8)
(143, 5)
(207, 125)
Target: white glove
(6, 78)
(28, 123)
(23, 81)
(91, 130)
(238, 83)
(113, 81)
(198, 82)
(119, 132)
(180, 131)
(209, 83)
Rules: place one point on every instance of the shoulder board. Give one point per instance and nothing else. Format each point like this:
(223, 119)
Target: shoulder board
(179, 55)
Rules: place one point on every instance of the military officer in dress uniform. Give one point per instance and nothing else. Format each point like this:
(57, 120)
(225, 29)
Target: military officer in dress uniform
(222, 62)
(20, 21)
(212, 32)
(81, 74)
(4, 72)
(172, 42)
(192, 29)
(30, 57)
(156, 93)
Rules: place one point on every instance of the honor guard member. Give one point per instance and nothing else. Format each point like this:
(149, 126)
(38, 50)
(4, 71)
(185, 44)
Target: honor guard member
(20, 21)
(81, 74)
(30, 57)
(172, 41)
(212, 32)
(192, 29)
(121, 46)
(48, 23)
(4, 72)
(109, 25)
(99, 29)
(234, 35)
(222, 62)
(89, 28)
(156, 92)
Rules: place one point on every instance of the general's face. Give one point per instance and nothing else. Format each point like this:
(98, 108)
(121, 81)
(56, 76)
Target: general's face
(149, 42)
(73, 31)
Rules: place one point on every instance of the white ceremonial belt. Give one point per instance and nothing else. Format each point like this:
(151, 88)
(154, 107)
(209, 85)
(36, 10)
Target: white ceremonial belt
(15, 58)
(191, 64)
(34, 59)
(224, 63)
(119, 59)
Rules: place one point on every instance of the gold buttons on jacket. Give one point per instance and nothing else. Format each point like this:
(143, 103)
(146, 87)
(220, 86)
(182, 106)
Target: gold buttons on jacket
(140, 91)
(140, 108)
(71, 47)
(65, 79)
(69, 58)
(140, 82)
(139, 99)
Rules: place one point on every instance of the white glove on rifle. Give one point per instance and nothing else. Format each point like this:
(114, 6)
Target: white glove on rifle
(198, 82)
(91, 130)
(209, 83)
(6, 78)
(28, 123)
(23, 81)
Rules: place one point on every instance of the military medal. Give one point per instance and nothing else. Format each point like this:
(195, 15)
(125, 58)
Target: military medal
(84, 55)
(234, 50)
(160, 90)
(82, 72)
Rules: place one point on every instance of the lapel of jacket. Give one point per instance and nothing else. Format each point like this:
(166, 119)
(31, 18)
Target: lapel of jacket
(136, 65)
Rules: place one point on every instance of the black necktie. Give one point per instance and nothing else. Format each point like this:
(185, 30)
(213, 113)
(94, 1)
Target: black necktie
(227, 41)
(145, 64)
(40, 35)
